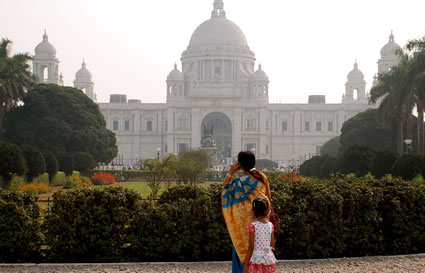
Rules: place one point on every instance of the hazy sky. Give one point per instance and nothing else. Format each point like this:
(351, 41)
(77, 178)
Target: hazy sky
(306, 47)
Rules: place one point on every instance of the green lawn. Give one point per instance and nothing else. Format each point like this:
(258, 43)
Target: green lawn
(141, 187)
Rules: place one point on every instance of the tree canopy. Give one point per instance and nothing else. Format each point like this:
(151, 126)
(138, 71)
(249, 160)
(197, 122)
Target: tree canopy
(15, 78)
(367, 130)
(63, 120)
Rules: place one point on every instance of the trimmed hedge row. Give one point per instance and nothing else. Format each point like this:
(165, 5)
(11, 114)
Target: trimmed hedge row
(128, 175)
(343, 216)
(19, 228)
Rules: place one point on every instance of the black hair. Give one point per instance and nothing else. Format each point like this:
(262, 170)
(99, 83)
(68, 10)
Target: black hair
(260, 206)
(247, 161)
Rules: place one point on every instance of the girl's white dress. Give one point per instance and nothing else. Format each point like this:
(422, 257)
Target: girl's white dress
(262, 259)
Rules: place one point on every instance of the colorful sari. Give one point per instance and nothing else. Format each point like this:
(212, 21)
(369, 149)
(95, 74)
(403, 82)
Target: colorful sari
(236, 201)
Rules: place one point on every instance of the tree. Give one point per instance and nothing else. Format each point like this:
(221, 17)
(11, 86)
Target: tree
(408, 166)
(383, 163)
(191, 165)
(52, 164)
(357, 159)
(35, 161)
(416, 74)
(15, 78)
(62, 120)
(367, 129)
(330, 147)
(312, 166)
(266, 164)
(12, 162)
(83, 162)
(66, 163)
(160, 170)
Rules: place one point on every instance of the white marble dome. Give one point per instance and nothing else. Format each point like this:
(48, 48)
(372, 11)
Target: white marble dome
(218, 31)
(83, 73)
(45, 49)
(355, 75)
(260, 75)
(175, 75)
(389, 50)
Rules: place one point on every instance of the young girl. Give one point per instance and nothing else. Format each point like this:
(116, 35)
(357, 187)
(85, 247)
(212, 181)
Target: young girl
(260, 257)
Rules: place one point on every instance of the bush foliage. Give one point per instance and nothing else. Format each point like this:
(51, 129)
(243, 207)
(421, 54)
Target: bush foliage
(19, 227)
(341, 216)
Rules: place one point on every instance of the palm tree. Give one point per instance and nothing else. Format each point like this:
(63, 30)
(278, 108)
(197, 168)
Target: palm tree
(15, 78)
(395, 91)
(416, 48)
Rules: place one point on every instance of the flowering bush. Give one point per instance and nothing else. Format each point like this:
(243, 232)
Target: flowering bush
(34, 188)
(77, 181)
(290, 177)
(103, 179)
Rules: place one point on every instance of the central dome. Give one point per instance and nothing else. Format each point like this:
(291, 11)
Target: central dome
(218, 31)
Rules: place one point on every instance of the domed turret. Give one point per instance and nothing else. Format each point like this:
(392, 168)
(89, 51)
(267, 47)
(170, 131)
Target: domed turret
(355, 75)
(355, 87)
(260, 84)
(45, 49)
(260, 75)
(45, 64)
(175, 74)
(389, 50)
(175, 84)
(389, 57)
(83, 81)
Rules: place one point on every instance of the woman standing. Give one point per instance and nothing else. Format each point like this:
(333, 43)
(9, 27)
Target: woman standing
(237, 197)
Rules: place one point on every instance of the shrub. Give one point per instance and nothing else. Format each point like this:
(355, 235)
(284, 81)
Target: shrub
(408, 166)
(66, 163)
(52, 164)
(357, 159)
(310, 212)
(328, 167)
(77, 181)
(383, 163)
(19, 228)
(83, 162)
(12, 162)
(42, 178)
(59, 179)
(102, 179)
(16, 181)
(312, 166)
(34, 188)
(91, 224)
(189, 222)
(35, 161)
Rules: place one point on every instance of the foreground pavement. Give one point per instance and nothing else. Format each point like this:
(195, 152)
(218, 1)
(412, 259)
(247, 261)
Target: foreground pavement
(409, 263)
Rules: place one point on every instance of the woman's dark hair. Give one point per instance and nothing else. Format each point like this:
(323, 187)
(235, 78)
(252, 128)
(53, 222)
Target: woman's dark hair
(260, 205)
(247, 161)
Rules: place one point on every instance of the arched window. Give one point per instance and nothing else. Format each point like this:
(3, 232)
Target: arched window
(45, 73)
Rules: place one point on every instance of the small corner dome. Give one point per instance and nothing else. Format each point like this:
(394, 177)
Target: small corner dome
(389, 50)
(355, 74)
(45, 48)
(175, 75)
(260, 74)
(83, 73)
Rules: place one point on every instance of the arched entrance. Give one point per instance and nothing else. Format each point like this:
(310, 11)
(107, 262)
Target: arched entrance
(221, 128)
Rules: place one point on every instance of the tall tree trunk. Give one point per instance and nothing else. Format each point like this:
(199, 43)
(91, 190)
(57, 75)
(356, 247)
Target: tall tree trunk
(1, 121)
(399, 136)
(420, 128)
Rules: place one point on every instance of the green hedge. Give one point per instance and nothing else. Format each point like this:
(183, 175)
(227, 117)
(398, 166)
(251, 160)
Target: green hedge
(342, 216)
(90, 224)
(19, 227)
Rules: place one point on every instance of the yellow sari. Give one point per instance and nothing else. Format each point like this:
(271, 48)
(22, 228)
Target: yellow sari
(236, 200)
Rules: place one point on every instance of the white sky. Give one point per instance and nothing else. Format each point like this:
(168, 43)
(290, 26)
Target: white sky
(306, 47)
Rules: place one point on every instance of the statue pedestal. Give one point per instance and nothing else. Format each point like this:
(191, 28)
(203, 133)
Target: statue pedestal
(212, 152)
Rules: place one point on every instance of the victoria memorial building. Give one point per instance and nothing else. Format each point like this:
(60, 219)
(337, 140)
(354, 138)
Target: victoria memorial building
(220, 99)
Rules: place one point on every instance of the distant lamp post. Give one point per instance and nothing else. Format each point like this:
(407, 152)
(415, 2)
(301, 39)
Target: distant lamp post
(158, 151)
(408, 142)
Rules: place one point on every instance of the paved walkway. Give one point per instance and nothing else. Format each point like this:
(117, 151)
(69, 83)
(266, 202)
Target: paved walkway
(409, 263)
